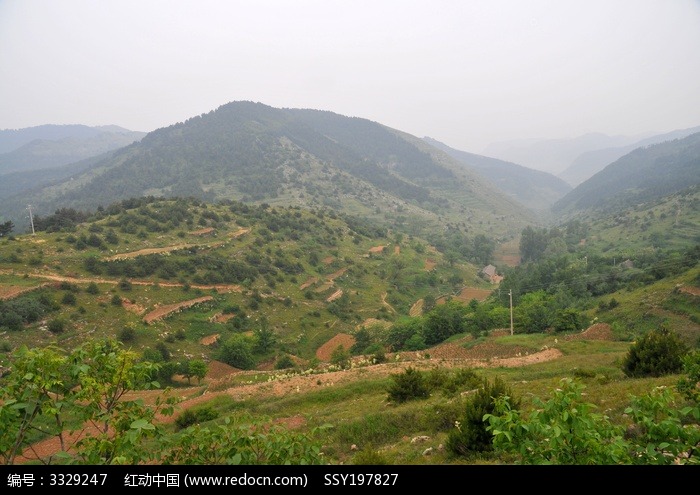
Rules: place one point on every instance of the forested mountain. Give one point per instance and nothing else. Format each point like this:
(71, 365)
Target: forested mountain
(642, 175)
(533, 188)
(589, 163)
(255, 153)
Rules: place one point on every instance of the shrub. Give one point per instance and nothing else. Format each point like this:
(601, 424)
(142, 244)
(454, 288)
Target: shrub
(116, 300)
(92, 288)
(191, 417)
(470, 434)
(127, 334)
(659, 352)
(56, 326)
(284, 362)
(409, 385)
(341, 357)
(69, 299)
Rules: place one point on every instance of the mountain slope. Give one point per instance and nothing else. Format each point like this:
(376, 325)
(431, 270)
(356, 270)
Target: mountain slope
(535, 189)
(255, 153)
(641, 175)
(589, 163)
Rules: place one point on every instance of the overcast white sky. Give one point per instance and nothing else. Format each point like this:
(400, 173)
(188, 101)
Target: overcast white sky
(465, 72)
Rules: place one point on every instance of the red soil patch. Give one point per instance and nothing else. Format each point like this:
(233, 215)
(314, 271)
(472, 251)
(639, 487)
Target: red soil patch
(12, 291)
(239, 233)
(328, 260)
(337, 274)
(326, 350)
(217, 370)
(222, 318)
(429, 265)
(163, 311)
(209, 339)
(690, 290)
(397, 249)
(337, 294)
(377, 249)
(598, 331)
(308, 283)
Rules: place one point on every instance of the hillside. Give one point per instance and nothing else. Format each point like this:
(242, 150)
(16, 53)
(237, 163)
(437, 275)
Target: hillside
(320, 313)
(641, 175)
(255, 153)
(309, 274)
(591, 162)
(534, 189)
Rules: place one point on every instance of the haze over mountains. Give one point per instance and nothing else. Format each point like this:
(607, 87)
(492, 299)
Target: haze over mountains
(256, 153)
(576, 160)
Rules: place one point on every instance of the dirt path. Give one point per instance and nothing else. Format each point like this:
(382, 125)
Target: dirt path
(87, 280)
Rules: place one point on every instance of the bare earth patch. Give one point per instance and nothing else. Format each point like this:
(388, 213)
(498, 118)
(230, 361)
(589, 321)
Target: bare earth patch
(12, 291)
(326, 350)
(209, 339)
(429, 265)
(417, 308)
(164, 311)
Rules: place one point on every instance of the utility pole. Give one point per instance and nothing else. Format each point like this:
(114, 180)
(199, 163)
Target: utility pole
(31, 218)
(510, 294)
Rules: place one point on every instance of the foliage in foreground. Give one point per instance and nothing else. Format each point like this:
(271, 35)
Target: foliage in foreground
(51, 393)
(565, 430)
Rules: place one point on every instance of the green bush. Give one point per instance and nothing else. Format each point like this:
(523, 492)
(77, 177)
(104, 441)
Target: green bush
(659, 352)
(127, 334)
(284, 362)
(409, 385)
(191, 417)
(56, 326)
(470, 434)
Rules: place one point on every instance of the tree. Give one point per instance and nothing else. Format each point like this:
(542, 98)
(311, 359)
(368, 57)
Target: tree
(237, 351)
(88, 385)
(264, 337)
(198, 369)
(6, 228)
(659, 352)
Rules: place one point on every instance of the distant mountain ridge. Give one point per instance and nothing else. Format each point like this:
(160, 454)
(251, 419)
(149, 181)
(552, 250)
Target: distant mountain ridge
(256, 153)
(553, 155)
(643, 174)
(589, 163)
(11, 139)
(534, 189)
(48, 153)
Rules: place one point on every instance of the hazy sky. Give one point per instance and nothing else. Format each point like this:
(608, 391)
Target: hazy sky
(465, 72)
